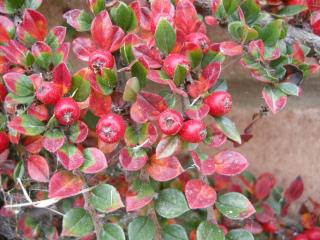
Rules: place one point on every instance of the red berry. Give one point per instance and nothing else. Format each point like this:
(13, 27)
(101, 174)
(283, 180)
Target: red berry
(313, 233)
(101, 59)
(66, 111)
(198, 38)
(270, 227)
(220, 103)
(4, 141)
(301, 236)
(111, 128)
(48, 93)
(172, 61)
(193, 131)
(3, 93)
(170, 122)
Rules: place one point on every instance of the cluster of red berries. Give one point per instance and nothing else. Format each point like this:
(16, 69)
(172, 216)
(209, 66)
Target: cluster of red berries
(309, 234)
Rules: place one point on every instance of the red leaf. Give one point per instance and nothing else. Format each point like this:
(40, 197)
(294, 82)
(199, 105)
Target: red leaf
(132, 159)
(70, 156)
(143, 14)
(99, 104)
(134, 202)
(264, 185)
(150, 56)
(196, 88)
(230, 163)
(53, 140)
(230, 48)
(199, 195)
(274, 98)
(137, 114)
(161, 8)
(38, 168)
(61, 76)
(211, 21)
(64, 184)
(7, 29)
(294, 191)
(297, 52)
(38, 111)
(62, 53)
(83, 47)
(34, 27)
(197, 112)
(204, 163)
(210, 74)
(59, 32)
(265, 213)
(95, 161)
(105, 34)
(186, 18)
(33, 144)
(165, 169)
(14, 52)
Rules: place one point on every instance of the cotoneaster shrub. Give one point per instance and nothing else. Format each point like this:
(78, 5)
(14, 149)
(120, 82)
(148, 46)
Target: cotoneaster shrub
(106, 151)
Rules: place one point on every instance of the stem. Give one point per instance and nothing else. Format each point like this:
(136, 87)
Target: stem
(154, 218)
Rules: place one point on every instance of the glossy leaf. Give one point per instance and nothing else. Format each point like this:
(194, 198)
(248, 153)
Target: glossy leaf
(94, 160)
(15, 52)
(10, 7)
(81, 85)
(7, 29)
(207, 230)
(132, 159)
(78, 19)
(171, 203)
(26, 125)
(167, 147)
(275, 99)
(165, 36)
(105, 82)
(139, 195)
(99, 103)
(78, 132)
(56, 36)
(83, 47)
(290, 89)
(124, 17)
(174, 232)
(61, 76)
(210, 74)
(294, 191)
(53, 140)
(230, 48)
(61, 54)
(199, 195)
(96, 5)
(270, 34)
(42, 54)
(70, 156)
(19, 84)
(18, 171)
(230, 163)
(64, 184)
(226, 126)
(239, 234)
(204, 163)
(290, 11)
(131, 89)
(230, 6)
(77, 223)
(164, 169)
(235, 206)
(150, 56)
(112, 231)
(141, 228)
(186, 18)
(264, 185)
(38, 168)
(105, 198)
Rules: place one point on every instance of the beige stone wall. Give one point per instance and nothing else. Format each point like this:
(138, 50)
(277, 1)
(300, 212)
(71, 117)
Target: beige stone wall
(286, 144)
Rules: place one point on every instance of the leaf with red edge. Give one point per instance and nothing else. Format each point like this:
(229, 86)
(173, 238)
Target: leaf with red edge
(211, 21)
(53, 140)
(294, 191)
(80, 20)
(38, 168)
(151, 57)
(265, 213)
(297, 52)
(161, 8)
(256, 49)
(7, 29)
(4, 67)
(28, 226)
(199, 195)
(215, 138)
(62, 76)
(64, 184)
(14, 52)
(167, 146)
(275, 99)
(264, 185)
(96, 5)
(230, 48)
(197, 111)
(165, 169)
(42, 54)
(149, 105)
(196, 88)
(136, 113)
(78, 132)
(210, 74)
(19, 84)
(230, 163)
(194, 53)
(203, 162)
(26, 125)
(33, 144)
(56, 36)
(186, 17)
(143, 15)
(139, 195)
(38, 111)
(99, 103)
(61, 54)
(104, 34)
(94, 161)
(70, 156)
(148, 134)
(132, 159)
(34, 4)
(83, 47)
(34, 27)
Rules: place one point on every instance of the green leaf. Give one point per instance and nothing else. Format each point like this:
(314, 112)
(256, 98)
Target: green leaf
(274, 98)
(167, 146)
(84, 20)
(77, 223)
(91, 120)
(105, 198)
(20, 100)
(239, 234)
(290, 88)
(290, 11)
(18, 171)
(174, 232)
(34, 4)
(179, 75)
(171, 203)
(18, 84)
(11, 6)
(139, 71)
(27, 125)
(228, 127)
(107, 81)
(131, 90)
(126, 54)
(112, 232)
(235, 206)
(141, 228)
(241, 32)
(165, 36)
(230, 6)
(124, 17)
(81, 87)
(250, 10)
(3, 121)
(208, 230)
(169, 97)
(271, 33)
